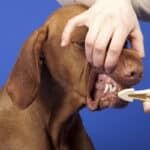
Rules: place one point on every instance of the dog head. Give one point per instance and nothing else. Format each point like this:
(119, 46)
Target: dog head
(69, 67)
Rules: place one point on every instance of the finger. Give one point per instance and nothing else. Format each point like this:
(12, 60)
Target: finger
(90, 40)
(115, 49)
(137, 42)
(101, 45)
(72, 23)
(146, 107)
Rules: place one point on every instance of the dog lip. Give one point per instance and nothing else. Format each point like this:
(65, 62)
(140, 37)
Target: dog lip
(93, 102)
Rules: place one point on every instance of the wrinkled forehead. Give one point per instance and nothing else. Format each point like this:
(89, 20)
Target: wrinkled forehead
(130, 55)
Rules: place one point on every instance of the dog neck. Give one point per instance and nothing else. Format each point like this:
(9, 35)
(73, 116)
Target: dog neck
(54, 95)
(62, 106)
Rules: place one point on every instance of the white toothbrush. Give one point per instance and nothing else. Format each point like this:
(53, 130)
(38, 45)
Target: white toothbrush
(130, 94)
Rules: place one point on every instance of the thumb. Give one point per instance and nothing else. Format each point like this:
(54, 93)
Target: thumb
(146, 106)
(71, 25)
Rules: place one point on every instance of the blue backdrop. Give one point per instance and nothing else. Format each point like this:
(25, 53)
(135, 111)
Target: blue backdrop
(126, 129)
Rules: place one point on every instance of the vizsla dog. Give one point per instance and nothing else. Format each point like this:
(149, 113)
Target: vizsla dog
(40, 103)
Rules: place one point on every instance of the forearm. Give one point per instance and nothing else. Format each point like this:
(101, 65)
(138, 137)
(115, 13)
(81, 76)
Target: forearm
(70, 2)
(142, 8)
(66, 2)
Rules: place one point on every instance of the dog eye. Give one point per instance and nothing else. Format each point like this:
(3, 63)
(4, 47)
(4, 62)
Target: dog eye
(80, 45)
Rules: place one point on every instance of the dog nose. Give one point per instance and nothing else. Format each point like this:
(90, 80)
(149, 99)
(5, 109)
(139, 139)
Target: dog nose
(134, 74)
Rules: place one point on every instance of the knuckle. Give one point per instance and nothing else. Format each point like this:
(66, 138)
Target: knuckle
(89, 43)
(88, 53)
(124, 22)
(109, 17)
(71, 21)
(124, 26)
(114, 51)
(99, 49)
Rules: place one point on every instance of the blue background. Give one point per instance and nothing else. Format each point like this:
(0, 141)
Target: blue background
(126, 129)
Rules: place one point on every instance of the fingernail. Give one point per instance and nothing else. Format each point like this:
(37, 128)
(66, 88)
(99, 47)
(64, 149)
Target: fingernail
(142, 55)
(89, 60)
(63, 43)
(108, 70)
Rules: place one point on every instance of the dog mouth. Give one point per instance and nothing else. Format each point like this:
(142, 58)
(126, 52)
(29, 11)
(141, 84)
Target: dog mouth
(103, 91)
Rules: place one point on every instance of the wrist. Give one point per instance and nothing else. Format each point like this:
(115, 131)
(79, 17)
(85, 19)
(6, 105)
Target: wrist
(142, 8)
(88, 3)
(66, 2)
(135, 5)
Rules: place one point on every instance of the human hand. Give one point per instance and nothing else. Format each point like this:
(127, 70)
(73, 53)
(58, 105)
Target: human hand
(110, 24)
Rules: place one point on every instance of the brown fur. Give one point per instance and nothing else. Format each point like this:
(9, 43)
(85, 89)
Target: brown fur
(49, 84)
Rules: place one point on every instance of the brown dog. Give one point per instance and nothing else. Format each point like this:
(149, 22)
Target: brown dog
(51, 84)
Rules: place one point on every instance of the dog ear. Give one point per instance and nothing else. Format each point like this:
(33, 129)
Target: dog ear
(24, 80)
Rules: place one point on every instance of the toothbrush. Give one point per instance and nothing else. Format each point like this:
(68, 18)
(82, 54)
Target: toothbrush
(131, 94)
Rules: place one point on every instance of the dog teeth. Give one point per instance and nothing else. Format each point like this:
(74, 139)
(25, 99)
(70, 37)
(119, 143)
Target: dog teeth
(113, 89)
(109, 88)
(106, 88)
